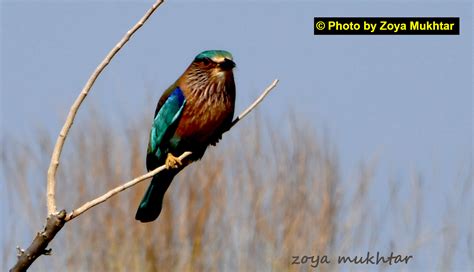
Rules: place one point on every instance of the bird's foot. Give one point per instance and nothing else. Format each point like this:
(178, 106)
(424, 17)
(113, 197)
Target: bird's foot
(172, 162)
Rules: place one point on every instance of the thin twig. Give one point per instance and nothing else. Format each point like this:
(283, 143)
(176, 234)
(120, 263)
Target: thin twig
(53, 166)
(255, 103)
(86, 206)
(116, 190)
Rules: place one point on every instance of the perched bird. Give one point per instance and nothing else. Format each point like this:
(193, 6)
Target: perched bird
(191, 114)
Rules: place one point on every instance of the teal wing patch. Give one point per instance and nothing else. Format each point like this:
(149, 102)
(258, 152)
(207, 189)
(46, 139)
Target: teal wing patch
(165, 122)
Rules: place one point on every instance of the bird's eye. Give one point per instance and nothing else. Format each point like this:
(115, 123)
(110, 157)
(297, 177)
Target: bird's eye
(206, 61)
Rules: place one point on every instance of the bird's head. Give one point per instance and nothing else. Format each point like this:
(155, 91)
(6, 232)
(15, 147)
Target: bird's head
(218, 62)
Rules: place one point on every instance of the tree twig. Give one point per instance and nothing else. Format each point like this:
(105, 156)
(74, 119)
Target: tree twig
(54, 224)
(255, 103)
(58, 147)
(55, 221)
(86, 206)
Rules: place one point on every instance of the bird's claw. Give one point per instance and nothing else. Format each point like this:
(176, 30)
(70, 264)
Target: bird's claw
(172, 162)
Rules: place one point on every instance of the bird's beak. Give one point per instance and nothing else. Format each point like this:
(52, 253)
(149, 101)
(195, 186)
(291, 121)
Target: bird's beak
(227, 64)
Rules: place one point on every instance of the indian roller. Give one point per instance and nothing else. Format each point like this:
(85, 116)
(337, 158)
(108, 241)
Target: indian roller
(192, 114)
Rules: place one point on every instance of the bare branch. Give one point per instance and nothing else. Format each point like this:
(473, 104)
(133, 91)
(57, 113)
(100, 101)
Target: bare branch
(56, 220)
(255, 103)
(53, 166)
(54, 223)
(86, 206)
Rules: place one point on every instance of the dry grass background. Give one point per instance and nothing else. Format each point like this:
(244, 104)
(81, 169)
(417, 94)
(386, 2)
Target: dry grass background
(254, 201)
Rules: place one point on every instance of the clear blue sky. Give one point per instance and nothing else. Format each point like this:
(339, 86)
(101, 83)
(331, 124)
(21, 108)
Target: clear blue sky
(406, 99)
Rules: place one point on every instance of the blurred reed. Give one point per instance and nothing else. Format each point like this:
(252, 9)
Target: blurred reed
(258, 198)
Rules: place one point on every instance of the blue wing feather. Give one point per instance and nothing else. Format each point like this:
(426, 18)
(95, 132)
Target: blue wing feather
(165, 122)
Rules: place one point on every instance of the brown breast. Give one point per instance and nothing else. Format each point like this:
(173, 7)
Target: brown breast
(207, 111)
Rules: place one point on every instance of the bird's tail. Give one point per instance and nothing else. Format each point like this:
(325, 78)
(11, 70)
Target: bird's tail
(150, 206)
